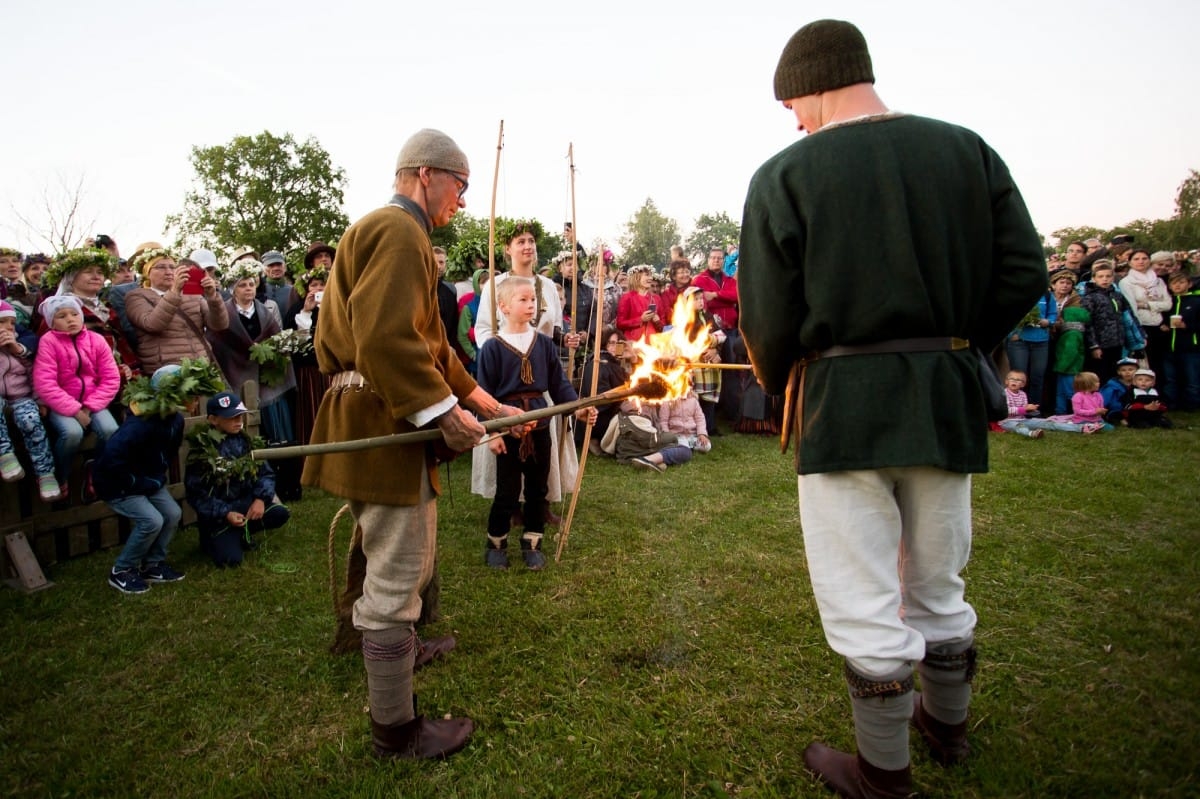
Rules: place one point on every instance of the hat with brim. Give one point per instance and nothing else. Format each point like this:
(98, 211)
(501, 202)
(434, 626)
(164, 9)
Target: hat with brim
(315, 249)
(226, 405)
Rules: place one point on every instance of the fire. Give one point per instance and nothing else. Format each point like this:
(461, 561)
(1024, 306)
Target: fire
(667, 357)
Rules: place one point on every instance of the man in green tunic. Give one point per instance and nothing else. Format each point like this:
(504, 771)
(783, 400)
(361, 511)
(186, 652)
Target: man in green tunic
(879, 249)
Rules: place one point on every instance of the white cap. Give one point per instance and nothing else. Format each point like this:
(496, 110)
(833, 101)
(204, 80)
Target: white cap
(205, 258)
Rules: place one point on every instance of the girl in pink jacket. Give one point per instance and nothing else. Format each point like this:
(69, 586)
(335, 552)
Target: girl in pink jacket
(75, 375)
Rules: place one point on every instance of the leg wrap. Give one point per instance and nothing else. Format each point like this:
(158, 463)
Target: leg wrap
(946, 674)
(882, 709)
(388, 657)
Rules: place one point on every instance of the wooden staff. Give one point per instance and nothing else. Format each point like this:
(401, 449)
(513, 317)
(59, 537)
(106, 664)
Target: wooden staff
(492, 228)
(696, 366)
(574, 260)
(587, 433)
(646, 389)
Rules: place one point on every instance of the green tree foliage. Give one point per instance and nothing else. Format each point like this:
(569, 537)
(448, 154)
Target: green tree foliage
(270, 192)
(648, 236)
(712, 230)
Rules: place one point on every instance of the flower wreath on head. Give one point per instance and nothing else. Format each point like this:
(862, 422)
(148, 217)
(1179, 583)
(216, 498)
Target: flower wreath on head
(646, 269)
(243, 269)
(149, 256)
(9, 252)
(509, 229)
(75, 261)
(561, 258)
(316, 273)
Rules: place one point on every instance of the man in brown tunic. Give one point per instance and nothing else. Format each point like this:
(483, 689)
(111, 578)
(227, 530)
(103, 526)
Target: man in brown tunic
(394, 371)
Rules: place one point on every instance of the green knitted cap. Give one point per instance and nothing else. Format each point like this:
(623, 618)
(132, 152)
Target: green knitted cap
(823, 55)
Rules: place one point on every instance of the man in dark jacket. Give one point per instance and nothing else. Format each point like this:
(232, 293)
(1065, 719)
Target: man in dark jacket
(891, 408)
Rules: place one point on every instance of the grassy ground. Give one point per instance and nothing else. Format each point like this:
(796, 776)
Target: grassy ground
(674, 652)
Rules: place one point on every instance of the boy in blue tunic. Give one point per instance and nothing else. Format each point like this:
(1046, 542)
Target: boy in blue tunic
(519, 367)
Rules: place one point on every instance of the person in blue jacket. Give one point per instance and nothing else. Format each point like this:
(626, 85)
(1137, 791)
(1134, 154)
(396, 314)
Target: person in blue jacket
(233, 495)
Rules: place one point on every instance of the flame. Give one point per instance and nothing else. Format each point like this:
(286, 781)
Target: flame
(669, 356)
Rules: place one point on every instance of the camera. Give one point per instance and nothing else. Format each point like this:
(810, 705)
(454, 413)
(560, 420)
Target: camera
(320, 295)
(104, 240)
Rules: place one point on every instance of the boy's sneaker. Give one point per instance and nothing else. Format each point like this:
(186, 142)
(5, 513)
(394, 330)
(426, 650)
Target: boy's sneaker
(127, 581)
(48, 488)
(644, 463)
(10, 468)
(161, 573)
(496, 558)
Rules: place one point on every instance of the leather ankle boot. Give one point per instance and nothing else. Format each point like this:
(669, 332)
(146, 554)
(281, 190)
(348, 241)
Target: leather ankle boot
(420, 737)
(947, 742)
(854, 778)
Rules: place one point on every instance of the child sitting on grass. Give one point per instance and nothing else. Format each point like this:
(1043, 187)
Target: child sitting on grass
(130, 474)
(1114, 390)
(1143, 407)
(16, 390)
(518, 367)
(1019, 406)
(233, 495)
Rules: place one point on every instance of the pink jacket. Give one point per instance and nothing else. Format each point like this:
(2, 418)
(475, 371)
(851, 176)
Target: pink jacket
(683, 416)
(1087, 406)
(14, 376)
(73, 372)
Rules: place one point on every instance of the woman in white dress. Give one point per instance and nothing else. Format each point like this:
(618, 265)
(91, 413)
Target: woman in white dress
(520, 251)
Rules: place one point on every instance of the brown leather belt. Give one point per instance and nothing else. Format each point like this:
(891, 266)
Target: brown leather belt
(928, 344)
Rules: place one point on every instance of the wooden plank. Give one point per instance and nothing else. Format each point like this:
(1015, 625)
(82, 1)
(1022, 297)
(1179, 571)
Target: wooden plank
(77, 540)
(29, 573)
(110, 532)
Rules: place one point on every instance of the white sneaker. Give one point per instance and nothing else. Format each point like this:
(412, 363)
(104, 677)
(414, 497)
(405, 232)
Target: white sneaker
(10, 468)
(49, 488)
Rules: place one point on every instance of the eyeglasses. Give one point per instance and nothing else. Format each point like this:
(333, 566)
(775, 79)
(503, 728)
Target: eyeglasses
(462, 180)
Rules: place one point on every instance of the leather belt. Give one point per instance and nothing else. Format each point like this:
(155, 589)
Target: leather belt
(927, 344)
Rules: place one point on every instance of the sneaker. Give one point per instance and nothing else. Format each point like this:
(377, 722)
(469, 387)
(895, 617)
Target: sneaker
(1094, 427)
(496, 558)
(10, 468)
(1036, 433)
(534, 559)
(642, 463)
(127, 581)
(48, 488)
(161, 573)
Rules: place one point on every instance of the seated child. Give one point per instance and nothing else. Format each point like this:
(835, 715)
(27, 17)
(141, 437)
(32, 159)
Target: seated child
(518, 367)
(130, 474)
(16, 390)
(232, 494)
(1143, 407)
(1088, 406)
(1114, 390)
(685, 418)
(633, 437)
(1019, 406)
(75, 375)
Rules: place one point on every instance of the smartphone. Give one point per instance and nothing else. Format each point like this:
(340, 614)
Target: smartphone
(654, 307)
(318, 296)
(195, 275)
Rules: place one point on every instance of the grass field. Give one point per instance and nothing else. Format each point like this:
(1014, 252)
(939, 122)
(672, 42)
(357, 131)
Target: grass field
(674, 652)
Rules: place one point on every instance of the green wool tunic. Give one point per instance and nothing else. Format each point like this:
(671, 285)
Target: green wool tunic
(894, 227)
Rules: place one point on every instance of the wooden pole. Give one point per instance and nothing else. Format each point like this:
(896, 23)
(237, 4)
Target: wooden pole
(643, 389)
(492, 228)
(597, 345)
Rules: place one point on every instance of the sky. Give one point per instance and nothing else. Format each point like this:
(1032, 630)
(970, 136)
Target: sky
(1093, 105)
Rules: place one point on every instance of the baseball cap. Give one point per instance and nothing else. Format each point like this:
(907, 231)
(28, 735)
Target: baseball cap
(226, 405)
(204, 258)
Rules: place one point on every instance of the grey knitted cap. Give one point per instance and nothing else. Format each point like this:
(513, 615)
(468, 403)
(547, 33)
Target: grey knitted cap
(823, 55)
(433, 148)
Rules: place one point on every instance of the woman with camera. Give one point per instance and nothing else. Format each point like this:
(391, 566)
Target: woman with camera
(638, 312)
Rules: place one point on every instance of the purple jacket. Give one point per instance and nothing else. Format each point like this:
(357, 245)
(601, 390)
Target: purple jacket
(73, 372)
(14, 376)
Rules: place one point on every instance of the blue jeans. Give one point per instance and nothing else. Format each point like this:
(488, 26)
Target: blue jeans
(68, 434)
(1029, 357)
(155, 519)
(29, 422)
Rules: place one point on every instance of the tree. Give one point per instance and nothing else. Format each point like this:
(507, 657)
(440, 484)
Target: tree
(712, 231)
(649, 236)
(268, 191)
(64, 224)
(465, 239)
(1066, 235)
(1187, 199)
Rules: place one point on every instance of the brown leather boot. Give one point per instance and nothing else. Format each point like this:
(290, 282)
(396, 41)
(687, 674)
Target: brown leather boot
(947, 742)
(429, 649)
(854, 778)
(421, 737)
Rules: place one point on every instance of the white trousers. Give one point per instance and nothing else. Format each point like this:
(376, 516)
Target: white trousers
(885, 548)
(400, 544)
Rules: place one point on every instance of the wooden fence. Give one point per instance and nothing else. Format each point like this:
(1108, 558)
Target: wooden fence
(68, 528)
